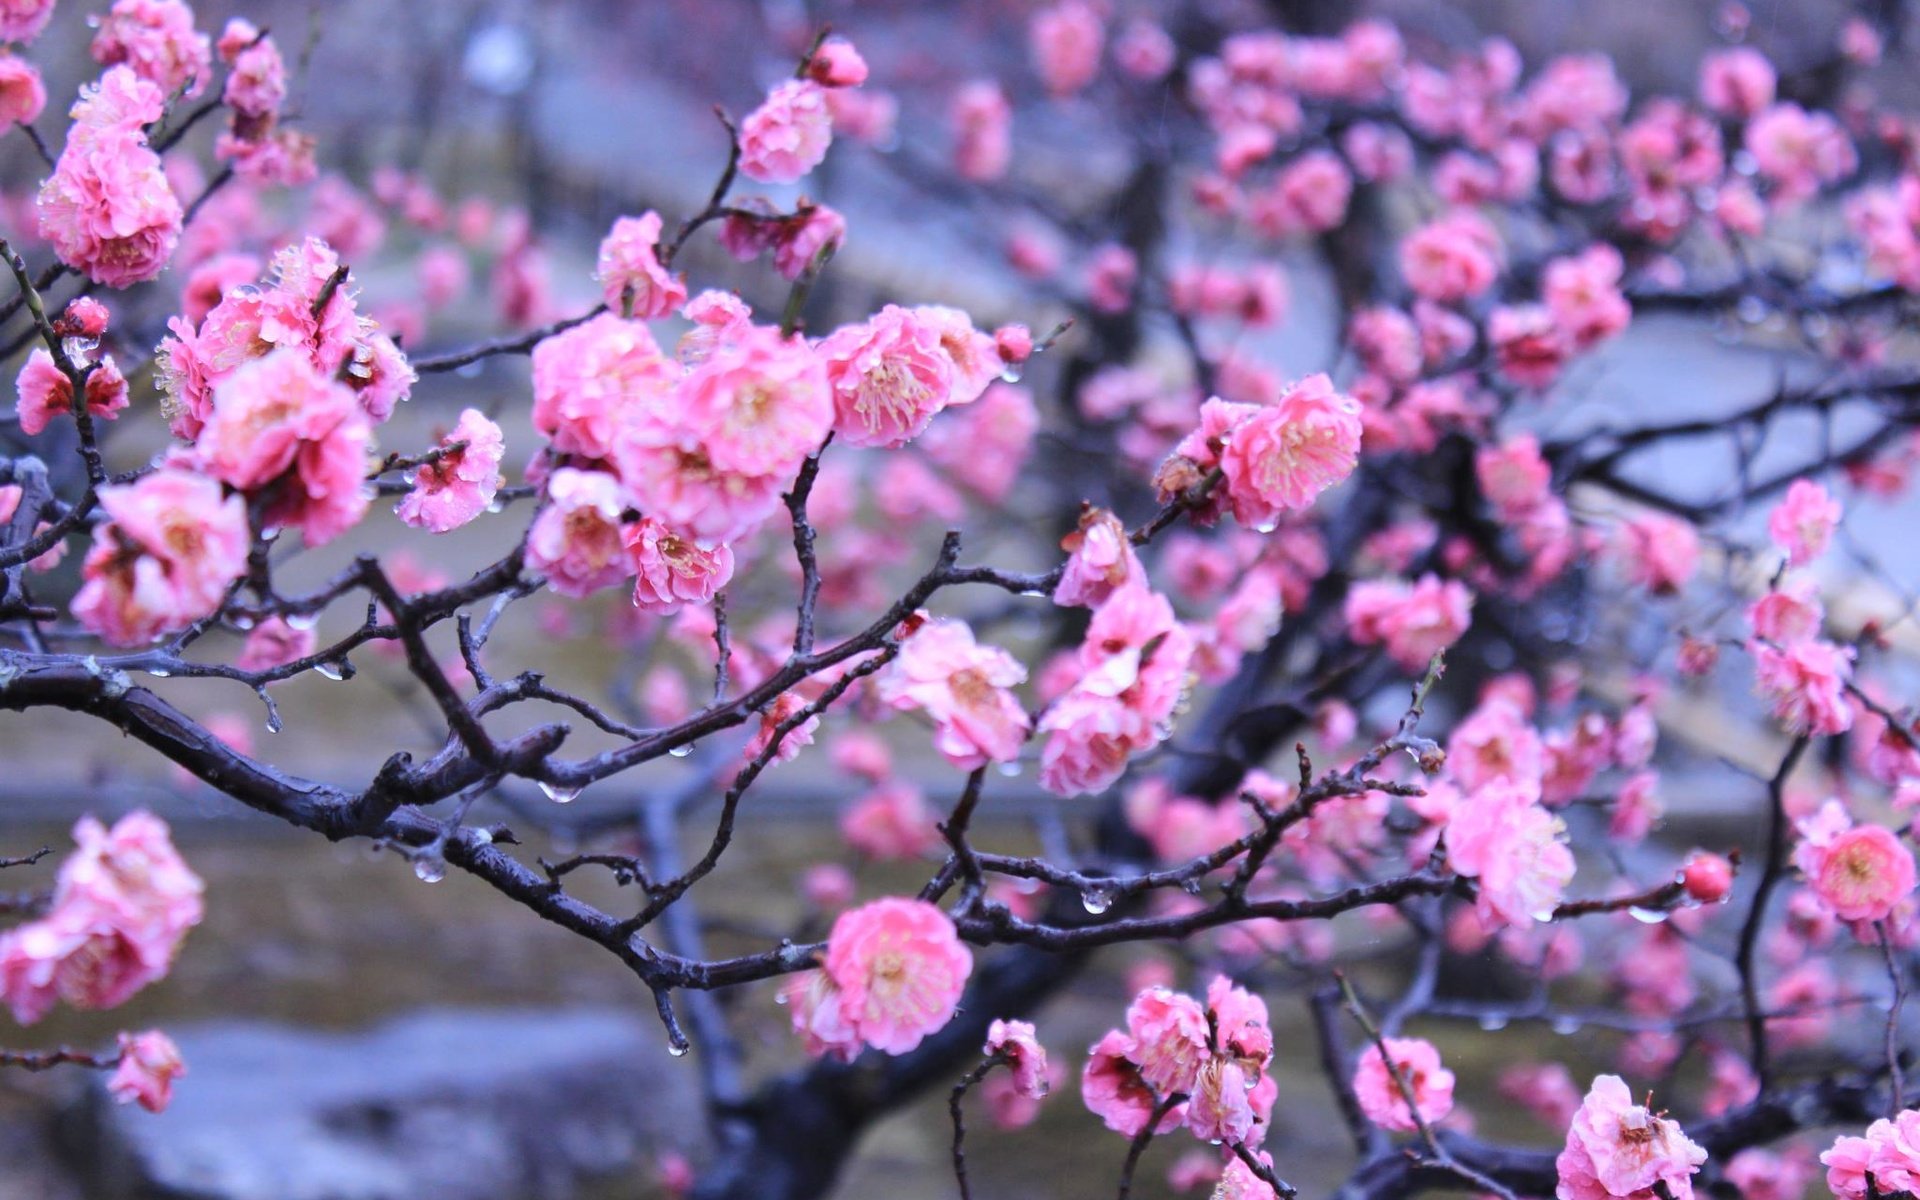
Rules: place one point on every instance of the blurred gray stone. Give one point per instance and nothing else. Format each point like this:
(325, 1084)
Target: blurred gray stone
(456, 1105)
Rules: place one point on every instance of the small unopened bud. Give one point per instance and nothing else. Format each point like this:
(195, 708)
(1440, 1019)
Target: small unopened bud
(836, 64)
(1014, 342)
(1698, 656)
(84, 318)
(1177, 476)
(1707, 877)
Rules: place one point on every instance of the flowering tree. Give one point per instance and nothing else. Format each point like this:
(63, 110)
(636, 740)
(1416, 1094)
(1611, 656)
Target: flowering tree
(1312, 662)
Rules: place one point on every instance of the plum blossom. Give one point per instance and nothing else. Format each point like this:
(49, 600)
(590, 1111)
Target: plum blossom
(1016, 1043)
(1860, 872)
(673, 570)
(22, 96)
(45, 392)
(891, 823)
(1890, 1153)
(890, 376)
(157, 40)
(593, 380)
(1283, 455)
(165, 558)
(893, 974)
(149, 1063)
(1216, 1055)
(633, 282)
(107, 207)
(1516, 849)
(576, 541)
(1802, 524)
(1380, 1094)
(1414, 621)
(788, 135)
(457, 486)
(1804, 683)
(1100, 559)
(964, 688)
(1659, 552)
(1064, 40)
(122, 904)
(274, 643)
(22, 20)
(1617, 1149)
(982, 120)
(1454, 257)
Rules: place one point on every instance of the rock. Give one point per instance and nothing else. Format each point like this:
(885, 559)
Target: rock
(455, 1105)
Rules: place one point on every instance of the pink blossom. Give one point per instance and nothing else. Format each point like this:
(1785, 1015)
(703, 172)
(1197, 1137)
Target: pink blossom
(276, 420)
(1617, 1149)
(459, 485)
(799, 241)
(156, 38)
(985, 445)
(1708, 878)
(788, 135)
(211, 282)
(964, 688)
(1573, 91)
(1380, 1095)
(1890, 1152)
(1452, 258)
(1239, 1182)
(1546, 1090)
(22, 20)
(1379, 153)
(900, 969)
(890, 376)
(257, 85)
(1513, 476)
(813, 1000)
(1144, 50)
(10, 495)
(1804, 684)
(1496, 744)
(1309, 195)
(1285, 454)
(1658, 551)
(1791, 612)
(632, 280)
(1387, 342)
(165, 558)
(576, 541)
(1583, 293)
(673, 570)
(22, 96)
(1529, 345)
(778, 745)
(1016, 1043)
(1799, 151)
(1090, 738)
(1112, 276)
(274, 643)
(1100, 559)
(1862, 873)
(982, 122)
(1064, 41)
(107, 207)
(149, 1063)
(1737, 81)
(594, 379)
(1414, 621)
(1803, 522)
(1517, 851)
(45, 392)
(891, 823)
(1112, 1088)
(123, 902)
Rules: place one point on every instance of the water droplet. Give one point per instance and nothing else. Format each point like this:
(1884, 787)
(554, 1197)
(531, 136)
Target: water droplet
(302, 620)
(559, 794)
(1751, 309)
(780, 997)
(1565, 1026)
(483, 837)
(1096, 900)
(681, 751)
(1493, 1022)
(1648, 916)
(331, 670)
(273, 723)
(1010, 769)
(1266, 527)
(429, 868)
(1010, 373)
(159, 672)
(496, 506)
(678, 1049)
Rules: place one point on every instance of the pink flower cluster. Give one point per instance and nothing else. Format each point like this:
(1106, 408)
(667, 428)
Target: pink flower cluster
(893, 974)
(893, 373)
(107, 208)
(122, 904)
(45, 392)
(340, 346)
(1214, 1055)
(1274, 458)
(1515, 849)
(157, 41)
(1618, 1150)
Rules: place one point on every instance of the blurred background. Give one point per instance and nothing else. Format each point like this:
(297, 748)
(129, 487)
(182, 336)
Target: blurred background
(354, 1032)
